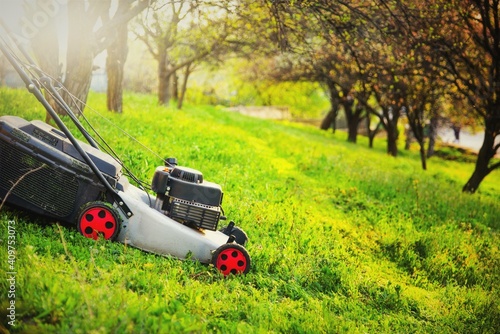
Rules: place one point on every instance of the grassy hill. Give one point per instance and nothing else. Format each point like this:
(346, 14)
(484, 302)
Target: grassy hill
(342, 238)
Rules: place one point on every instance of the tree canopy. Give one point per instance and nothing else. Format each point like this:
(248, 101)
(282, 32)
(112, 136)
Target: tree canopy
(407, 56)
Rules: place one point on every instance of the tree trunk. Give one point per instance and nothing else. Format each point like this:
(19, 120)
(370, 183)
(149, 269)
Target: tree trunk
(115, 63)
(80, 57)
(175, 86)
(422, 156)
(351, 117)
(329, 120)
(184, 86)
(392, 135)
(480, 172)
(77, 84)
(421, 144)
(432, 136)
(370, 141)
(391, 116)
(392, 141)
(416, 131)
(163, 81)
(408, 137)
(371, 133)
(486, 153)
(352, 129)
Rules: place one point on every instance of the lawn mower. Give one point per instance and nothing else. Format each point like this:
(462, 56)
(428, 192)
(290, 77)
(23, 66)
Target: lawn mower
(47, 171)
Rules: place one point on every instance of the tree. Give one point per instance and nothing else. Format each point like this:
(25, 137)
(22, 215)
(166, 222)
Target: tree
(338, 71)
(410, 52)
(91, 29)
(466, 40)
(408, 74)
(159, 31)
(320, 48)
(115, 64)
(422, 100)
(331, 68)
(116, 56)
(182, 34)
(381, 63)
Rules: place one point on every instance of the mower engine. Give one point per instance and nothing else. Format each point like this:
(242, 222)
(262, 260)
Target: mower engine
(183, 195)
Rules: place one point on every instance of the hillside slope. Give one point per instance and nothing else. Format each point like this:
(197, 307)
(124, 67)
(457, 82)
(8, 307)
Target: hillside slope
(342, 238)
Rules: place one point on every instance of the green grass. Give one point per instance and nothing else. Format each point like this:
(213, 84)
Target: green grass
(342, 238)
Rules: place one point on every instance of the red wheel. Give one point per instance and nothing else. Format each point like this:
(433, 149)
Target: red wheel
(231, 259)
(98, 219)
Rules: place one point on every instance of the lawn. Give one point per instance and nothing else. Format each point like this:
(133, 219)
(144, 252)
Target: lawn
(343, 238)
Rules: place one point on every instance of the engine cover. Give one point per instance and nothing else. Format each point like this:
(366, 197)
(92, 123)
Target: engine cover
(182, 194)
(187, 184)
(204, 193)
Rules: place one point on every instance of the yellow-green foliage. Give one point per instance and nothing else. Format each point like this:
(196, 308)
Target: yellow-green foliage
(342, 238)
